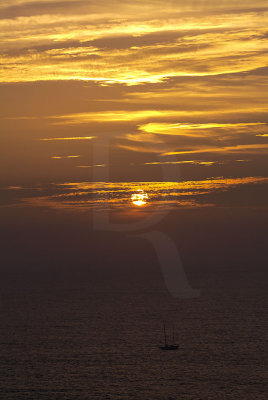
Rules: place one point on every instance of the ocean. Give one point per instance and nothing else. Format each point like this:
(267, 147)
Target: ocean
(83, 306)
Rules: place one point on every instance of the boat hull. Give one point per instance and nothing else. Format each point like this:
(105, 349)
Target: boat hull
(169, 347)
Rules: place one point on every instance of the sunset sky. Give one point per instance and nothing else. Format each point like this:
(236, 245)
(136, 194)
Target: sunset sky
(133, 199)
(181, 84)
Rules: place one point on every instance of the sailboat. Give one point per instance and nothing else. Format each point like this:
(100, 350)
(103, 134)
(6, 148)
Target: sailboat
(166, 345)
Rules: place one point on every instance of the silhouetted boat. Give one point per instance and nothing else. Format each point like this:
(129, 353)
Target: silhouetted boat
(167, 346)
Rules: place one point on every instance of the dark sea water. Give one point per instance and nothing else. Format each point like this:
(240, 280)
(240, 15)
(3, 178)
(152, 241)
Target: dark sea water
(82, 310)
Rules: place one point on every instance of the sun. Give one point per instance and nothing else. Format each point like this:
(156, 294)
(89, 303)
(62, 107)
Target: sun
(140, 198)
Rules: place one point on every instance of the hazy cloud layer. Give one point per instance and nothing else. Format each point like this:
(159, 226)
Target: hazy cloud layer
(130, 42)
(184, 81)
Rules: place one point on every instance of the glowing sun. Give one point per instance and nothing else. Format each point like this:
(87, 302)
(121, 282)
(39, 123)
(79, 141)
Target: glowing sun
(140, 198)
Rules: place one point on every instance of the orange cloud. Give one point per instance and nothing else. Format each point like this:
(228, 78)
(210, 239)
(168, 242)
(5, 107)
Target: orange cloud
(57, 40)
(70, 138)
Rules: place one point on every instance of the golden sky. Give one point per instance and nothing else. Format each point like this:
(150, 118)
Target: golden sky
(158, 82)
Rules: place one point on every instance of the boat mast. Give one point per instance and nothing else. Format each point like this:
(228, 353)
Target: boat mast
(165, 336)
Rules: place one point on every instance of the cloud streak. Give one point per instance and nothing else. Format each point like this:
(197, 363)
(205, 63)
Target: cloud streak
(69, 138)
(130, 43)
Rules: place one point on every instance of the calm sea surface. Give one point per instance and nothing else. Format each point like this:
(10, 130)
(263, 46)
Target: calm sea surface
(82, 309)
